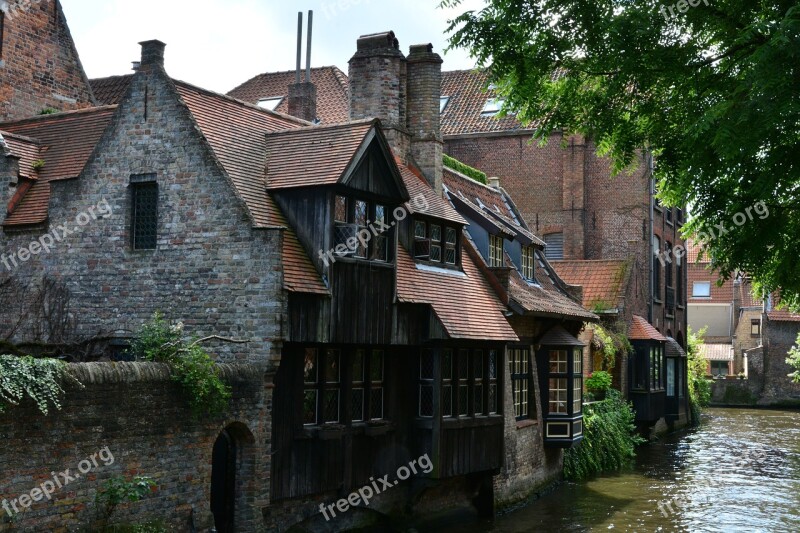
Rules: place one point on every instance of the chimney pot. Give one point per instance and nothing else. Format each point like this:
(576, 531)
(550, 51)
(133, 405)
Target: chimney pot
(135, 65)
(152, 53)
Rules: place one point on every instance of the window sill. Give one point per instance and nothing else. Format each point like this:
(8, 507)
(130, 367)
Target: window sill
(372, 262)
(521, 424)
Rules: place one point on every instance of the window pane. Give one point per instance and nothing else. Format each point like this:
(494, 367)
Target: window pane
(558, 396)
(376, 366)
(492, 364)
(426, 400)
(358, 366)
(331, 366)
(331, 409)
(380, 215)
(492, 398)
(310, 406)
(478, 393)
(419, 229)
(701, 289)
(447, 364)
(380, 248)
(450, 256)
(577, 363)
(463, 364)
(463, 400)
(341, 209)
(436, 232)
(145, 215)
(376, 403)
(310, 367)
(447, 400)
(358, 405)
(478, 364)
(361, 213)
(558, 361)
(450, 236)
(436, 252)
(577, 391)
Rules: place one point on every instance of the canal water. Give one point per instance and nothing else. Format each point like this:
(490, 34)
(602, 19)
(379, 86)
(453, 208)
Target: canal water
(738, 471)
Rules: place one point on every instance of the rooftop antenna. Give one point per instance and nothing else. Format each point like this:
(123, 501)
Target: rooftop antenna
(299, 46)
(308, 47)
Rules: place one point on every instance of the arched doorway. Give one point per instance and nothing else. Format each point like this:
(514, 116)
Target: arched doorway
(223, 482)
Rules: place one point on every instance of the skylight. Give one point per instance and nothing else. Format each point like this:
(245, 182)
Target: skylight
(270, 103)
(493, 106)
(443, 101)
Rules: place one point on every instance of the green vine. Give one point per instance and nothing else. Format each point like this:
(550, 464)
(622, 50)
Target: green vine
(38, 379)
(118, 489)
(609, 439)
(191, 366)
(699, 386)
(611, 344)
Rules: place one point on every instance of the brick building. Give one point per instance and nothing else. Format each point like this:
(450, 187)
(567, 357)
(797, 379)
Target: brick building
(39, 65)
(251, 224)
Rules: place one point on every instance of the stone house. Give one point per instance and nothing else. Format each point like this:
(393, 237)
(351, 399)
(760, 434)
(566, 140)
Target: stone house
(379, 304)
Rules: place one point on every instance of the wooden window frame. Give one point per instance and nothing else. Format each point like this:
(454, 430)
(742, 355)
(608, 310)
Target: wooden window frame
(528, 263)
(521, 381)
(354, 226)
(496, 251)
(429, 242)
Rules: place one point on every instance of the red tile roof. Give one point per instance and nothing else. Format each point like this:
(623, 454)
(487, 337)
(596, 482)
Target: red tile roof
(464, 302)
(66, 141)
(424, 199)
(641, 330)
(604, 281)
(28, 151)
(716, 352)
(782, 315)
(462, 115)
(110, 90)
(332, 91)
(313, 156)
(299, 274)
(237, 132)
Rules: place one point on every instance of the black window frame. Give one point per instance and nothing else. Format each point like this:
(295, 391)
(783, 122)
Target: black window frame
(140, 186)
(353, 226)
(656, 274)
(755, 323)
(521, 382)
(423, 246)
(468, 377)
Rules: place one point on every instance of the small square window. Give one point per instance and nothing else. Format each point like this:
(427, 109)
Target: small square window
(755, 327)
(701, 289)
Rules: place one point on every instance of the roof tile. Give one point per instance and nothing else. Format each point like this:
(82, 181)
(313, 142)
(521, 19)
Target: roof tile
(641, 330)
(603, 281)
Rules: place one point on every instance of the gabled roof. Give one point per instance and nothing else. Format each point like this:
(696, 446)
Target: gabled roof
(641, 330)
(110, 90)
(315, 156)
(65, 143)
(332, 91)
(466, 89)
(237, 132)
(464, 302)
(299, 274)
(604, 281)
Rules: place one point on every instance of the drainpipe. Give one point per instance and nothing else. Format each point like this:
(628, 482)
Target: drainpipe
(652, 188)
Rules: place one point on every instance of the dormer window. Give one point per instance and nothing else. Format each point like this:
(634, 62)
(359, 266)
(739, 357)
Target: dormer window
(435, 243)
(361, 229)
(443, 101)
(528, 270)
(495, 251)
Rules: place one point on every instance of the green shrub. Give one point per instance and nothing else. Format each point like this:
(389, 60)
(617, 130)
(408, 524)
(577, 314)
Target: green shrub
(609, 439)
(191, 366)
(699, 386)
(118, 490)
(38, 379)
(599, 381)
(458, 166)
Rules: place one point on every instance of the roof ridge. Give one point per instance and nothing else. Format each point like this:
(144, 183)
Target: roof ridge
(112, 76)
(242, 103)
(61, 114)
(24, 138)
(311, 127)
(470, 180)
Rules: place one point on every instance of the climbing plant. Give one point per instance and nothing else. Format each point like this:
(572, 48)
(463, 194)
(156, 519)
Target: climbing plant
(38, 379)
(611, 344)
(458, 166)
(191, 366)
(609, 439)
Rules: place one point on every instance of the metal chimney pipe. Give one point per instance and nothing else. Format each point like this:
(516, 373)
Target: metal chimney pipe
(299, 46)
(308, 46)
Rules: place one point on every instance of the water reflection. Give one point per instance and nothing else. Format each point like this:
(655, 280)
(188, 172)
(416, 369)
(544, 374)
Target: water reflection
(740, 471)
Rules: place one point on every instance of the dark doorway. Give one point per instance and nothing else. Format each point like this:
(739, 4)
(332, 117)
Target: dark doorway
(223, 482)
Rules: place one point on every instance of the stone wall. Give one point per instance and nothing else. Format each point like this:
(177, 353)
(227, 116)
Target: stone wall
(39, 65)
(211, 269)
(778, 338)
(141, 416)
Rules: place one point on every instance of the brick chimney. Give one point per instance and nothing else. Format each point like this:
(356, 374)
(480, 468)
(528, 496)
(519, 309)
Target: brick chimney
(152, 54)
(377, 79)
(424, 74)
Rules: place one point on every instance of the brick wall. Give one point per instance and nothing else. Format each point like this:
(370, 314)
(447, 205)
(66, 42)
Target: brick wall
(211, 269)
(40, 66)
(141, 416)
(778, 338)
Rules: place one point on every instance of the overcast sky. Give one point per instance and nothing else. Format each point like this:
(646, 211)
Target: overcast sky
(218, 45)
